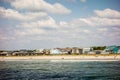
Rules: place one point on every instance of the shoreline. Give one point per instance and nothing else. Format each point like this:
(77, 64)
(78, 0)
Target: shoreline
(63, 58)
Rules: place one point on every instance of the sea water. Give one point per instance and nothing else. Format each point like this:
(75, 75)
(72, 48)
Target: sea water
(59, 70)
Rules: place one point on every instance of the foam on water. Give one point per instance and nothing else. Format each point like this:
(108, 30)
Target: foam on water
(81, 60)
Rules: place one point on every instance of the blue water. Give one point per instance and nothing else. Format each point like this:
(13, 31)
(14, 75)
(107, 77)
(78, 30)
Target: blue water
(51, 70)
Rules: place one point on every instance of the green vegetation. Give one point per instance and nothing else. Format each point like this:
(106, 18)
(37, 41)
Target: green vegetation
(99, 47)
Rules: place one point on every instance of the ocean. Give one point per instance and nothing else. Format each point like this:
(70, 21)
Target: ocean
(59, 70)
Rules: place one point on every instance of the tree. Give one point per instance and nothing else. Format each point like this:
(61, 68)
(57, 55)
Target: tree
(99, 47)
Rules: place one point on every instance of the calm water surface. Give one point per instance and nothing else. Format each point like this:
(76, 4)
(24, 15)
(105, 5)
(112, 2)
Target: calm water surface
(59, 70)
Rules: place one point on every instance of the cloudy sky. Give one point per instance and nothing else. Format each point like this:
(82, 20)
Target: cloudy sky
(34, 24)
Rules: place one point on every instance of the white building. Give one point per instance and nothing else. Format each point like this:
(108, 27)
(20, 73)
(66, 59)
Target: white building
(87, 50)
(76, 50)
(55, 51)
(39, 50)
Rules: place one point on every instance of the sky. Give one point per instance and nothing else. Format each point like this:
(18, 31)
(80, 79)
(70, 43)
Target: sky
(36, 24)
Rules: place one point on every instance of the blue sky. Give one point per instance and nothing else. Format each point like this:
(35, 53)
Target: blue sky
(35, 24)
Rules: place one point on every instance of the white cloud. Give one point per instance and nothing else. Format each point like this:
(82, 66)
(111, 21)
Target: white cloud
(78, 26)
(13, 14)
(40, 5)
(108, 13)
(87, 31)
(27, 31)
(102, 29)
(76, 23)
(49, 22)
(36, 27)
(87, 21)
(97, 21)
(77, 30)
(4, 36)
(106, 17)
(83, 0)
(94, 20)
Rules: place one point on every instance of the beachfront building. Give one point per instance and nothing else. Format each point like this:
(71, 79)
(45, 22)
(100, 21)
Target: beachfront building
(119, 50)
(39, 51)
(4, 53)
(55, 51)
(20, 53)
(66, 50)
(76, 50)
(87, 51)
(46, 51)
(111, 49)
(97, 51)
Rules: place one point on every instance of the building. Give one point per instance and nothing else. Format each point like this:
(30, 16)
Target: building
(66, 50)
(98, 51)
(87, 51)
(76, 50)
(46, 51)
(55, 51)
(39, 51)
(4, 53)
(111, 49)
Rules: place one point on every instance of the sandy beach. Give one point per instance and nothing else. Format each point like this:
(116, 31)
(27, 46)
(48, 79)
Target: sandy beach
(64, 57)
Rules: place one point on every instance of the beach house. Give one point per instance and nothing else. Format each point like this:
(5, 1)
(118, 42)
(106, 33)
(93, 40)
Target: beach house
(39, 51)
(76, 50)
(55, 51)
(111, 49)
(87, 51)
